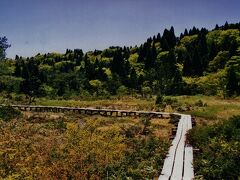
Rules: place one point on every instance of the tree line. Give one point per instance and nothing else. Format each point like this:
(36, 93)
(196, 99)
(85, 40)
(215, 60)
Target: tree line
(164, 64)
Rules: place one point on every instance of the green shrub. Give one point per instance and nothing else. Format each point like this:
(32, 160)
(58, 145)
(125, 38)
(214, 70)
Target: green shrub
(199, 103)
(170, 101)
(159, 99)
(61, 125)
(7, 113)
(220, 149)
(131, 131)
(146, 123)
(19, 98)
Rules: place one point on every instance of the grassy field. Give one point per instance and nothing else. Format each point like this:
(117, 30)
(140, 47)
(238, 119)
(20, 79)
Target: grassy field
(214, 108)
(115, 103)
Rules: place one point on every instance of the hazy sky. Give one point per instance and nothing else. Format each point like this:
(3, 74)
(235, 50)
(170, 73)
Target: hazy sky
(33, 26)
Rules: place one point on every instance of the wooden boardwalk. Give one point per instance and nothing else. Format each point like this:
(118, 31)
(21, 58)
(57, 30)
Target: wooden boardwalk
(178, 164)
(92, 111)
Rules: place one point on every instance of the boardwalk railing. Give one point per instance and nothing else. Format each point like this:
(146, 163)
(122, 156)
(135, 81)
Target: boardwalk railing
(178, 164)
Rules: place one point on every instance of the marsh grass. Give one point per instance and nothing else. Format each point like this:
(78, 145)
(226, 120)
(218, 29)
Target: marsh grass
(115, 103)
(55, 137)
(215, 108)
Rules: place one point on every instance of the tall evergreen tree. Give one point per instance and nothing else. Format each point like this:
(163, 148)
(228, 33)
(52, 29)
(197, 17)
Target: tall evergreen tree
(164, 44)
(17, 71)
(133, 81)
(78, 56)
(232, 82)
(203, 51)
(140, 55)
(172, 37)
(88, 68)
(212, 51)
(117, 64)
(158, 37)
(168, 39)
(226, 26)
(185, 32)
(3, 46)
(151, 57)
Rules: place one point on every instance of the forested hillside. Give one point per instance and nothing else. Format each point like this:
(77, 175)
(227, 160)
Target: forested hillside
(197, 62)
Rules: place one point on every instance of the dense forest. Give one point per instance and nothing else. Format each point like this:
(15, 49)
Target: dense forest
(198, 62)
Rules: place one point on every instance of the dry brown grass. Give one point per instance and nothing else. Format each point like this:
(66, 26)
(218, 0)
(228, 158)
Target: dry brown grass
(161, 128)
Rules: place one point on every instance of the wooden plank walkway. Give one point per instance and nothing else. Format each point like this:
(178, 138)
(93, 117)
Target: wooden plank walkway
(178, 164)
(92, 111)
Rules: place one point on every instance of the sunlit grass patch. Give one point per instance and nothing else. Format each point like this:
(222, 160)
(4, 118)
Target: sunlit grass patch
(124, 103)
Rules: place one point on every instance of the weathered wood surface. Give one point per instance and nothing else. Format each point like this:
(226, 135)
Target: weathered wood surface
(178, 164)
(92, 111)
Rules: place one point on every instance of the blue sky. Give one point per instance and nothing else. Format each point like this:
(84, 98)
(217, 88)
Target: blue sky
(41, 26)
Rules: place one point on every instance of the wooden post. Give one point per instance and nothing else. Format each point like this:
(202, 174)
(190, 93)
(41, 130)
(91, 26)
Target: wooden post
(104, 113)
(193, 122)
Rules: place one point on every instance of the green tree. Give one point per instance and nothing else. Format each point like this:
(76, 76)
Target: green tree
(117, 64)
(151, 57)
(133, 80)
(3, 46)
(96, 85)
(219, 61)
(168, 39)
(232, 82)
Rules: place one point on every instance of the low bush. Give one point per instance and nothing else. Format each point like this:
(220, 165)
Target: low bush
(170, 101)
(219, 145)
(61, 125)
(7, 113)
(159, 99)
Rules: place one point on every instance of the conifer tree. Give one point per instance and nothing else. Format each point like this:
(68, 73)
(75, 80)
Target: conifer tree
(3, 46)
(17, 71)
(181, 35)
(133, 82)
(232, 82)
(212, 51)
(158, 37)
(172, 38)
(151, 57)
(117, 64)
(164, 44)
(226, 26)
(140, 55)
(203, 51)
(185, 32)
